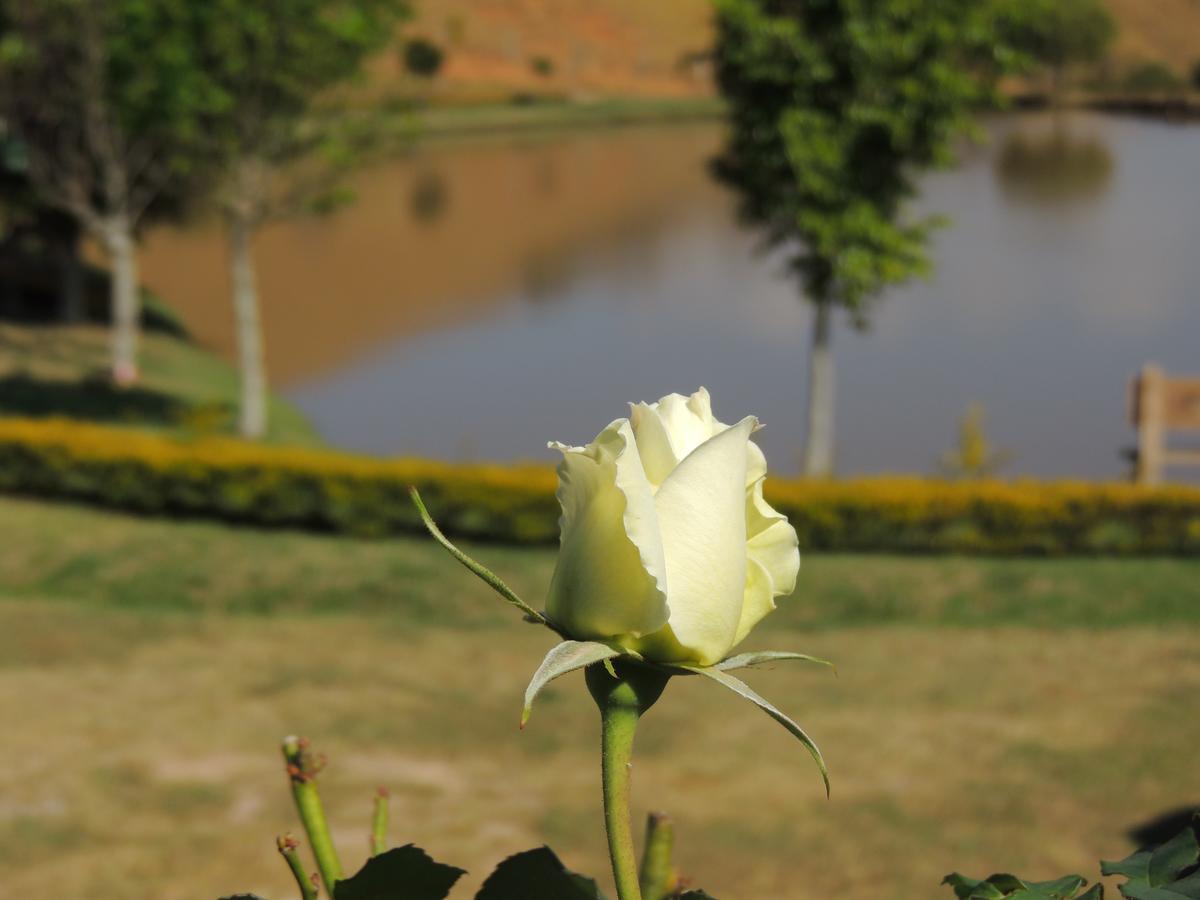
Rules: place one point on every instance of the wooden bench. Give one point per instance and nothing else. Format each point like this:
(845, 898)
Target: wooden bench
(1159, 405)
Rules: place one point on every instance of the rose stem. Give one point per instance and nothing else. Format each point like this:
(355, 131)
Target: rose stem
(657, 877)
(303, 773)
(622, 701)
(379, 823)
(287, 849)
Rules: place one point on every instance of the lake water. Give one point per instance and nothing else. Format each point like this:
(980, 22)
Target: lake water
(481, 299)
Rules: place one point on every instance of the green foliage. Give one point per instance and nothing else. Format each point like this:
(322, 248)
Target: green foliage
(268, 486)
(1152, 77)
(405, 873)
(272, 65)
(110, 100)
(1061, 33)
(835, 106)
(423, 58)
(998, 887)
(1196, 75)
(1168, 872)
(537, 875)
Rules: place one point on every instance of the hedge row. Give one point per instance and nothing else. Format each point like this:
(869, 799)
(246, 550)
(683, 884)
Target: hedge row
(284, 487)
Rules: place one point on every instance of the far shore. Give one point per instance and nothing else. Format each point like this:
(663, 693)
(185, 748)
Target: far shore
(552, 114)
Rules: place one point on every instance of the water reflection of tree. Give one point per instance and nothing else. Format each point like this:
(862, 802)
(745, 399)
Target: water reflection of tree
(430, 196)
(1054, 168)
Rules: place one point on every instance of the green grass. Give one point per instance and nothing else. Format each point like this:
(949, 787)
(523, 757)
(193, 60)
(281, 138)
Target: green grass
(987, 715)
(62, 370)
(553, 114)
(394, 124)
(113, 560)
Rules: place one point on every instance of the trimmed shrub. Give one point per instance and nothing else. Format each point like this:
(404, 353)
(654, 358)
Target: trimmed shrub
(423, 58)
(269, 486)
(1152, 77)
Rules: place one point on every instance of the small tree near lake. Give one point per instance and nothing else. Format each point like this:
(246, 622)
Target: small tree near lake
(279, 149)
(1060, 34)
(835, 107)
(105, 98)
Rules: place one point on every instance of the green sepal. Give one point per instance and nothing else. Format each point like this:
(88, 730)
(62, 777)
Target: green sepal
(568, 656)
(760, 657)
(537, 875)
(405, 873)
(744, 690)
(485, 574)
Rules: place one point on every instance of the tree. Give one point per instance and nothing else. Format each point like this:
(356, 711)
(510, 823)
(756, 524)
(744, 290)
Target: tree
(1061, 33)
(278, 147)
(105, 97)
(835, 105)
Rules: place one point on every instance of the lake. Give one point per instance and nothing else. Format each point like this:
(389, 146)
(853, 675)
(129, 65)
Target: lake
(482, 298)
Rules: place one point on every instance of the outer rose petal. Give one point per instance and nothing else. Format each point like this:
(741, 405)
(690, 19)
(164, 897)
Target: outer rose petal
(702, 516)
(610, 580)
(774, 560)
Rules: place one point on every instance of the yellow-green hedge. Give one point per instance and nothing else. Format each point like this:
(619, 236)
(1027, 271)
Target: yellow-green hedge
(275, 486)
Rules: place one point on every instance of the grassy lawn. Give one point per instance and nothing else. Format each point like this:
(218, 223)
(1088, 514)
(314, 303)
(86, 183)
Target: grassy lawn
(61, 370)
(988, 715)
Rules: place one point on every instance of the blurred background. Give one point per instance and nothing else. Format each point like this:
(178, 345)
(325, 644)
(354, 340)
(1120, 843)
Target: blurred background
(251, 255)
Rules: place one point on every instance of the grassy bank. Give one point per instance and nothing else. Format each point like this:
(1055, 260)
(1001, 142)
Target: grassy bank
(549, 115)
(61, 370)
(959, 735)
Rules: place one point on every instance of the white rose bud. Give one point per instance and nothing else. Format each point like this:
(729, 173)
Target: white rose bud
(667, 546)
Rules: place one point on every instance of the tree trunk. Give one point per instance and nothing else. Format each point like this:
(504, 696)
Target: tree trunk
(252, 418)
(818, 448)
(125, 306)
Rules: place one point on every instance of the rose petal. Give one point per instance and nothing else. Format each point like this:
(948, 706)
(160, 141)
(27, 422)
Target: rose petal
(773, 560)
(688, 421)
(653, 443)
(702, 519)
(610, 579)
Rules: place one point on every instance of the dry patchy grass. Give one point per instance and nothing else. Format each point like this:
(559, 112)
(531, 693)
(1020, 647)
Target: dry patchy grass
(141, 749)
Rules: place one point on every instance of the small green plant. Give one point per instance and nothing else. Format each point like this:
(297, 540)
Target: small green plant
(543, 66)
(974, 457)
(1196, 75)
